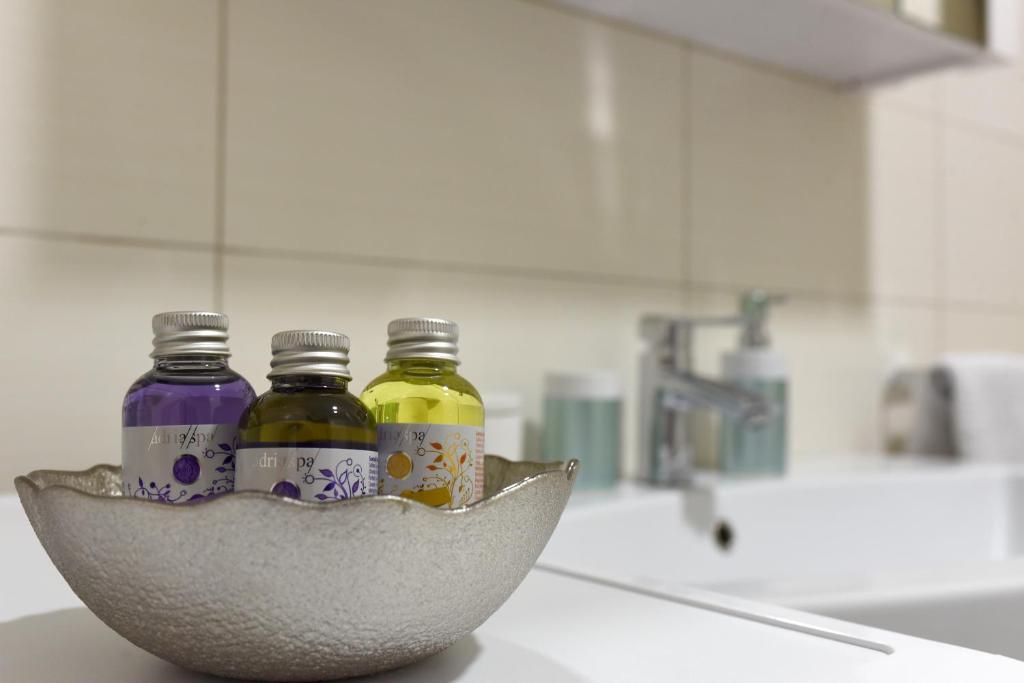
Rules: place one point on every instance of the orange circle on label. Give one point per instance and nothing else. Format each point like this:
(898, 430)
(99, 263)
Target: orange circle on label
(399, 465)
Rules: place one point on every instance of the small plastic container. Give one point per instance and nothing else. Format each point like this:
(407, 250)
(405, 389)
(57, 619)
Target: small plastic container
(504, 424)
(583, 420)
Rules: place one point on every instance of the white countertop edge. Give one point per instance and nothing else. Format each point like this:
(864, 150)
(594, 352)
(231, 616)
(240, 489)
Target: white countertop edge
(908, 658)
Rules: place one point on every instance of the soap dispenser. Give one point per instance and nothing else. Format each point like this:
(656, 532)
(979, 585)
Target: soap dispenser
(757, 447)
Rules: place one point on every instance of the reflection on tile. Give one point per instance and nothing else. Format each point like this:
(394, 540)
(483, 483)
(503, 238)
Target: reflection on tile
(82, 321)
(902, 216)
(459, 131)
(108, 120)
(984, 212)
(838, 355)
(778, 187)
(513, 330)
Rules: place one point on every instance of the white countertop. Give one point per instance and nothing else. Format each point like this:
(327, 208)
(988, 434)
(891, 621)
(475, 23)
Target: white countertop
(554, 628)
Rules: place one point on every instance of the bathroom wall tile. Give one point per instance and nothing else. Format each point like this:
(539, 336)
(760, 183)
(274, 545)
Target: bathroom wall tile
(838, 354)
(108, 121)
(990, 96)
(923, 92)
(967, 329)
(459, 132)
(513, 329)
(78, 335)
(778, 181)
(983, 210)
(902, 220)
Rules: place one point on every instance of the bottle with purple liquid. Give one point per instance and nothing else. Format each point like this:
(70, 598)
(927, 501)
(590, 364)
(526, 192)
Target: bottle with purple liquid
(180, 419)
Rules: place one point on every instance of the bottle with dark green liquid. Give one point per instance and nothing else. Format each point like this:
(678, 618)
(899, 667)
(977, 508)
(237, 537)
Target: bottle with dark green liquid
(308, 437)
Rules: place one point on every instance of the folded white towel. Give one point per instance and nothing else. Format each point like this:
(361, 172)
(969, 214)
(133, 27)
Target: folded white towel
(982, 396)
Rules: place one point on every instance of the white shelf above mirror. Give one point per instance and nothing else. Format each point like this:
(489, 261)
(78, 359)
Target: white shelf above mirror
(845, 42)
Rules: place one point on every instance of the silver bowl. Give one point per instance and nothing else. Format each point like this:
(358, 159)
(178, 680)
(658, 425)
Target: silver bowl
(254, 586)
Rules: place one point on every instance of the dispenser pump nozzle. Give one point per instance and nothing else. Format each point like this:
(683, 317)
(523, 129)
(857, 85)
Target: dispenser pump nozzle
(754, 305)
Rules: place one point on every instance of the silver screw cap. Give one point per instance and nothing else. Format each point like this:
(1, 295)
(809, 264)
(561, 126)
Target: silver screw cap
(309, 352)
(423, 338)
(190, 333)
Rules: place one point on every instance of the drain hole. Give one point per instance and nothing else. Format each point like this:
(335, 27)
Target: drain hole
(724, 535)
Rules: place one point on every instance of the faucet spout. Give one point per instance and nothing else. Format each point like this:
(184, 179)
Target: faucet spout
(730, 400)
(670, 390)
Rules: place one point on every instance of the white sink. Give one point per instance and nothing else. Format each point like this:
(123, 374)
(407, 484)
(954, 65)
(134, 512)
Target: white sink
(933, 551)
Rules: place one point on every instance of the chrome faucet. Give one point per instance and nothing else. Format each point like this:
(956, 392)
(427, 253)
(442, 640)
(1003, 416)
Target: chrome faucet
(670, 391)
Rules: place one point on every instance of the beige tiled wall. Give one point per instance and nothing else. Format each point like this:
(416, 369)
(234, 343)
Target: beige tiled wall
(778, 181)
(107, 125)
(494, 134)
(542, 177)
(73, 342)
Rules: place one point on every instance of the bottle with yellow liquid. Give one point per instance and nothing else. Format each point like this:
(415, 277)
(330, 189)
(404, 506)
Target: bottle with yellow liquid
(430, 419)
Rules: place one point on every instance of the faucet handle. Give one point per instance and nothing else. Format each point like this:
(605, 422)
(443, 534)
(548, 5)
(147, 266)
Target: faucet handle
(655, 327)
(754, 307)
(670, 338)
(663, 326)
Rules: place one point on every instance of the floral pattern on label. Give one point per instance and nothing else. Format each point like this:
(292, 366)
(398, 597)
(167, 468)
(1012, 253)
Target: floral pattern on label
(314, 474)
(178, 463)
(439, 465)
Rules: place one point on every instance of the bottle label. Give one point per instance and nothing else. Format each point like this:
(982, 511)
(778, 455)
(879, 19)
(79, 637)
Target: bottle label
(440, 465)
(308, 473)
(178, 463)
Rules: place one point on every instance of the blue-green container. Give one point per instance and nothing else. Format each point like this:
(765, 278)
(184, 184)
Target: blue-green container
(583, 420)
(756, 448)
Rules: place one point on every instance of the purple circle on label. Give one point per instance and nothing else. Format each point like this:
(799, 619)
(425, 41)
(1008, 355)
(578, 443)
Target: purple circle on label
(285, 489)
(186, 469)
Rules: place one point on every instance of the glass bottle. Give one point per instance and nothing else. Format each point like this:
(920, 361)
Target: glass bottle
(430, 419)
(180, 419)
(308, 437)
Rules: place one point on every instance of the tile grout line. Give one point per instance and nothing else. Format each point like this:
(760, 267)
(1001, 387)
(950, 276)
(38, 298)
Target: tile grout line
(51, 235)
(939, 178)
(686, 162)
(372, 260)
(369, 260)
(920, 111)
(571, 277)
(993, 134)
(220, 156)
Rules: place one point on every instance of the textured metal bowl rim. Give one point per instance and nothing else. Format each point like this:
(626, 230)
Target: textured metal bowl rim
(553, 469)
(120, 563)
